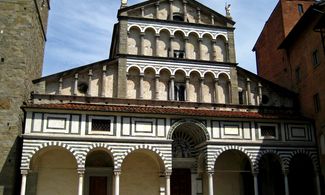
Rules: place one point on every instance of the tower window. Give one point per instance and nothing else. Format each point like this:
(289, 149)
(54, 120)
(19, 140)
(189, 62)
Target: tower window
(317, 103)
(83, 88)
(315, 57)
(179, 54)
(298, 74)
(241, 97)
(300, 8)
(179, 91)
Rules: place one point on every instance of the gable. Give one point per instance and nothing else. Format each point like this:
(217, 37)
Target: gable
(189, 11)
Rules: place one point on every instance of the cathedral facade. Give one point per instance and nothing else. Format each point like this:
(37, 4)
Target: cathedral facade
(169, 113)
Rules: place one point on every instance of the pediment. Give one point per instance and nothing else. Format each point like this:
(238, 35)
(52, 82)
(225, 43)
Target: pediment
(189, 11)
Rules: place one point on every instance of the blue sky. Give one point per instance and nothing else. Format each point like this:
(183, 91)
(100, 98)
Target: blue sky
(80, 31)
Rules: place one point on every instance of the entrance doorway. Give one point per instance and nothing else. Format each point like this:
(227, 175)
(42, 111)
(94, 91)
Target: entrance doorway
(181, 182)
(97, 185)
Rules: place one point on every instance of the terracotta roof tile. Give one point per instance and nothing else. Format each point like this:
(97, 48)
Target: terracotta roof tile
(165, 111)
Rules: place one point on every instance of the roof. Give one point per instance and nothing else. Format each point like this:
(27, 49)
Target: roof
(164, 111)
(198, 4)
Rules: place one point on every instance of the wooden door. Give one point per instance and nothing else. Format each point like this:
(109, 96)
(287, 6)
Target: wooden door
(97, 185)
(181, 182)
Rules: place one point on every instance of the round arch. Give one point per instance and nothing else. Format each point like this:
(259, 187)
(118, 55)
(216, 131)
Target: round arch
(150, 28)
(268, 152)
(134, 26)
(188, 121)
(225, 74)
(134, 67)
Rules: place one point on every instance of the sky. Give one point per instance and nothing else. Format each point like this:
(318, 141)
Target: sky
(80, 31)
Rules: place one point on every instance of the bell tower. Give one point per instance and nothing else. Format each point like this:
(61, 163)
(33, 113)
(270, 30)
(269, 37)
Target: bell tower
(23, 25)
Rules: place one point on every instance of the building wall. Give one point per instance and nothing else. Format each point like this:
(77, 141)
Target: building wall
(22, 36)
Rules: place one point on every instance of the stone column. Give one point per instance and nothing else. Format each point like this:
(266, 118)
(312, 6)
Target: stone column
(248, 86)
(216, 94)
(141, 86)
(210, 183)
(117, 182)
(171, 10)
(260, 93)
(172, 87)
(157, 87)
(103, 91)
(187, 49)
(212, 19)
(156, 51)
(168, 183)
(318, 186)
(286, 183)
(187, 88)
(157, 10)
(214, 51)
(185, 10)
(90, 75)
(255, 174)
(24, 174)
(75, 89)
(60, 86)
(171, 52)
(81, 181)
(198, 10)
(199, 57)
(201, 89)
(142, 43)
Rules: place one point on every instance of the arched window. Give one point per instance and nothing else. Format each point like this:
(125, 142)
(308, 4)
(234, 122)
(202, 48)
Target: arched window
(179, 90)
(178, 17)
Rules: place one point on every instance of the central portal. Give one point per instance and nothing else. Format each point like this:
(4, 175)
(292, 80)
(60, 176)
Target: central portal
(189, 143)
(181, 182)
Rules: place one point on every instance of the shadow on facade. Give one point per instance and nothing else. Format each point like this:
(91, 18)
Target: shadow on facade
(9, 175)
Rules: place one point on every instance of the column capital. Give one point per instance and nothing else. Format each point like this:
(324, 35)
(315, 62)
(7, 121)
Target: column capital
(171, 36)
(201, 79)
(248, 80)
(76, 76)
(285, 172)
(24, 171)
(172, 77)
(260, 85)
(81, 171)
(141, 75)
(157, 35)
(216, 80)
(199, 40)
(187, 78)
(90, 72)
(168, 173)
(104, 68)
(142, 34)
(210, 173)
(157, 76)
(117, 172)
(255, 173)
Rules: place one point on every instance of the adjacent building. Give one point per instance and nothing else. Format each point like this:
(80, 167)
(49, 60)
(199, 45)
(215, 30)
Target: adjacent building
(296, 59)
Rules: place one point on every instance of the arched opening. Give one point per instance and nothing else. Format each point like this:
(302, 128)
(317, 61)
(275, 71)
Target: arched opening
(134, 41)
(178, 45)
(149, 84)
(99, 173)
(206, 50)
(178, 17)
(163, 43)
(301, 177)
(141, 171)
(149, 42)
(208, 88)
(233, 174)
(164, 84)
(194, 87)
(53, 171)
(224, 89)
(193, 46)
(220, 49)
(180, 86)
(270, 177)
(133, 82)
(188, 148)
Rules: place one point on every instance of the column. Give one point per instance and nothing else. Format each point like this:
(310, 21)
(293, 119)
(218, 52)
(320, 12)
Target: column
(157, 10)
(194, 183)
(210, 183)
(142, 43)
(187, 88)
(156, 51)
(318, 186)
(187, 51)
(286, 182)
(255, 174)
(216, 94)
(214, 51)
(60, 86)
(90, 75)
(103, 91)
(198, 15)
(201, 89)
(172, 87)
(259, 93)
(157, 87)
(212, 19)
(167, 183)
(75, 89)
(185, 10)
(24, 174)
(199, 57)
(171, 52)
(141, 86)
(81, 181)
(171, 11)
(248, 86)
(117, 182)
